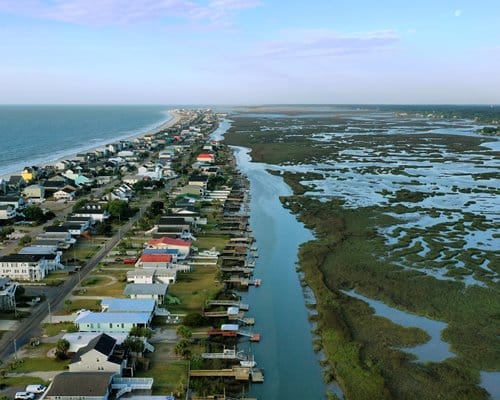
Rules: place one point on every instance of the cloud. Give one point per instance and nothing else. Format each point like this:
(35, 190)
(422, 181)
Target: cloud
(457, 13)
(124, 12)
(321, 43)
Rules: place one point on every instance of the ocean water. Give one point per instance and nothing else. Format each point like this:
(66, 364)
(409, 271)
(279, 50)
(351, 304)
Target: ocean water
(33, 135)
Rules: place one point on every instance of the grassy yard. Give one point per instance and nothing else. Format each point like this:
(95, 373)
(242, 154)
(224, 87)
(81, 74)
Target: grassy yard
(54, 329)
(22, 381)
(90, 304)
(195, 288)
(169, 374)
(34, 364)
(207, 242)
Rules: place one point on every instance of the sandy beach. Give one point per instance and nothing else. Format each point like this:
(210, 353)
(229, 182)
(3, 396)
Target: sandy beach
(176, 117)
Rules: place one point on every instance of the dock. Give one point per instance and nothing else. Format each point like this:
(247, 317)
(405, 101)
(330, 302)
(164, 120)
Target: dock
(254, 375)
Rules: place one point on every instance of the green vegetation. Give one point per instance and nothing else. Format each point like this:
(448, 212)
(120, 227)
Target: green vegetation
(193, 289)
(54, 329)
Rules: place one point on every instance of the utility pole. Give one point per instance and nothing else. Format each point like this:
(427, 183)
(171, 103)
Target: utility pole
(15, 349)
(50, 314)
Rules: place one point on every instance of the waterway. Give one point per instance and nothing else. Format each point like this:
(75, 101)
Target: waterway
(292, 369)
(285, 352)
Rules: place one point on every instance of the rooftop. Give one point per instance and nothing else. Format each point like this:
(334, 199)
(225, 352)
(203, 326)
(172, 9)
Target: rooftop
(80, 384)
(156, 258)
(115, 317)
(145, 288)
(128, 305)
(167, 241)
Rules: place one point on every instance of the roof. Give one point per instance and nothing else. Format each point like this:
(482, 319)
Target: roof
(167, 240)
(116, 317)
(128, 305)
(205, 155)
(198, 178)
(76, 384)
(156, 258)
(21, 258)
(56, 229)
(140, 272)
(78, 340)
(179, 220)
(161, 251)
(145, 288)
(103, 343)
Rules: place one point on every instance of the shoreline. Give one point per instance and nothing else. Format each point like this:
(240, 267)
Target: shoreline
(175, 118)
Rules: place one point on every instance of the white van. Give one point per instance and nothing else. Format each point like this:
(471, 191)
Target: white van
(35, 388)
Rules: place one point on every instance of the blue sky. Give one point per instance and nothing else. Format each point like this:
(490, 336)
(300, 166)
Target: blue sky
(249, 51)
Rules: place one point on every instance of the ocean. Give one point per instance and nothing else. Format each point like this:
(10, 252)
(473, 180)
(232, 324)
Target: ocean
(34, 135)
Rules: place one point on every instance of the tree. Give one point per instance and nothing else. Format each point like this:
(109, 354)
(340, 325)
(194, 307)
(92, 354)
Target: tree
(184, 332)
(194, 319)
(119, 209)
(104, 229)
(68, 304)
(156, 208)
(25, 240)
(34, 213)
(62, 347)
(135, 345)
(182, 348)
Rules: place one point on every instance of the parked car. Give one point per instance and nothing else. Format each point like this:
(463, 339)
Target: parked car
(24, 396)
(35, 388)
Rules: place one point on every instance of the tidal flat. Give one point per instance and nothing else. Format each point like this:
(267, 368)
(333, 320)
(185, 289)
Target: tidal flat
(405, 211)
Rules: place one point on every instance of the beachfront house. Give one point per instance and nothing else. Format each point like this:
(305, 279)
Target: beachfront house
(99, 355)
(29, 174)
(7, 294)
(24, 267)
(77, 178)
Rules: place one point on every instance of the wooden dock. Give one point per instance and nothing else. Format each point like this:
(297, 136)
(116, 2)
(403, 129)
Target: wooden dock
(254, 375)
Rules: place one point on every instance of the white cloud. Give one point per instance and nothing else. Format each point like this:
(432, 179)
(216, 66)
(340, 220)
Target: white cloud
(324, 42)
(122, 12)
(457, 12)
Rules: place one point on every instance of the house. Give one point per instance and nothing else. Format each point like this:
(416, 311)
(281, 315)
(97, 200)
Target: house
(98, 355)
(54, 185)
(17, 202)
(155, 291)
(77, 340)
(87, 222)
(89, 321)
(24, 267)
(35, 193)
(62, 165)
(65, 194)
(7, 294)
(16, 182)
(75, 229)
(206, 158)
(61, 235)
(80, 386)
(184, 246)
(175, 227)
(154, 261)
(77, 178)
(152, 275)
(56, 230)
(29, 174)
(190, 190)
(112, 305)
(7, 212)
(198, 180)
(95, 211)
(174, 253)
(51, 255)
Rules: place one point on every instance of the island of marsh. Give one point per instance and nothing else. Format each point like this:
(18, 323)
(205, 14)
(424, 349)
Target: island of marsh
(404, 210)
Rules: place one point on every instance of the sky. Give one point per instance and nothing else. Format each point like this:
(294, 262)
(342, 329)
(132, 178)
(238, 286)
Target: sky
(249, 51)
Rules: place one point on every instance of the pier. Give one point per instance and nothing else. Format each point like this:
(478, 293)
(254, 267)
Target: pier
(239, 373)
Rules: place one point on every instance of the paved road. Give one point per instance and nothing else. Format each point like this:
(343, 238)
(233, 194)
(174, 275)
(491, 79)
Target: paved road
(30, 327)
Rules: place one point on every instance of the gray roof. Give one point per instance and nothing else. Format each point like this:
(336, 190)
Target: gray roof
(75, 384)
(145, 288)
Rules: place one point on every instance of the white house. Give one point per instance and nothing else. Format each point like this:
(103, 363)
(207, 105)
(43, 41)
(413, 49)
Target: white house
(24, 267)
(7, 212)
(65, 194)
(35, 193)
(152, 275)
(98, 355)
(77, 340)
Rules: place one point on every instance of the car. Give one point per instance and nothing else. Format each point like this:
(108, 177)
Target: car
(24, 396)
(35, 388)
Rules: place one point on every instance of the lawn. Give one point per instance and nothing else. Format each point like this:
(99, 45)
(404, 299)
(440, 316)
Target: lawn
(169, 373)
(195, 288)
(22, 381)
(87, 304)
(34, 364)
(208, 242)
(54, 329)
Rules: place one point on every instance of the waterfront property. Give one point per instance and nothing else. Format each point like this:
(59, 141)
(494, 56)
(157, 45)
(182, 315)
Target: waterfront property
(112, 305)
(81, 386)
(183, 246)
(152, 275)
(156, 291)
(99, 355)
(89, 321)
